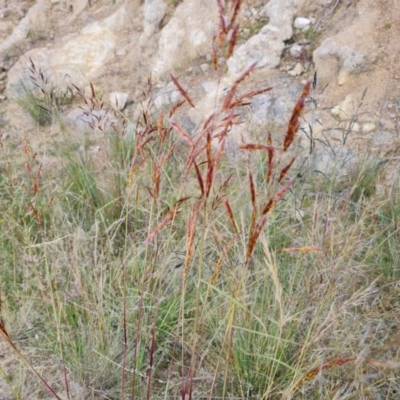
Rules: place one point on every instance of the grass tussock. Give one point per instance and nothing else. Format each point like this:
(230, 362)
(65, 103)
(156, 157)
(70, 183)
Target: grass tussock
(157, 268)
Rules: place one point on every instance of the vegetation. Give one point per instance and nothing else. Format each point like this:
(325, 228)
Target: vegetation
(157, 268)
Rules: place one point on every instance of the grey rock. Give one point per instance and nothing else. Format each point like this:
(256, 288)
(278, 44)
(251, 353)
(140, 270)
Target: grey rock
(33, 20)
(90, 120)
(204, 67)
(295, 50)
(186, 36)
(330, 57)
(79, 59)
(154, 12)
(164, 96)
(266, 47)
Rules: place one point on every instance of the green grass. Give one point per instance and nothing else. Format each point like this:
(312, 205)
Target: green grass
(254, 332)
(124, 276)
(39, 98)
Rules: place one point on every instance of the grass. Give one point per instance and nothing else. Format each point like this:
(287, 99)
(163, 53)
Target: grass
(158, 268)
(41, 99)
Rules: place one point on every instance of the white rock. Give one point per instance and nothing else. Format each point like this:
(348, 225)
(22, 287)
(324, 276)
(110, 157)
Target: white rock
(297, 70)
(301, 23)
(80, 58)
(355, 127)
(175, 96)
(331, 57)
(295, 50)
(204, 67)
(267, 46)
(345, 109)
(118, 100)
(368, 127)
(121, 53)
(33, 20)
(186, 36)
(154, 12)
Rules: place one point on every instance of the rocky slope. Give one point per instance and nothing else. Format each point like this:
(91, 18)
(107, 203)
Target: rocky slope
(118, 44)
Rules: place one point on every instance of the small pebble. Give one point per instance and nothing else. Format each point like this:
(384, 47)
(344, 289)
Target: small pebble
(301, 23)
(295, 50)
(121, 53)
(297, 70)
(368, 127)
(204, 67)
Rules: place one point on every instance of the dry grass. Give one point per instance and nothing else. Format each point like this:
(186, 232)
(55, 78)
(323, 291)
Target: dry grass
(166, 271)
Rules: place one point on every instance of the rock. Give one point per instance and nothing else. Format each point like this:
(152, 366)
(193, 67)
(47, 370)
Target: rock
(368, 127)
(204, 67)
(121, 53)
(331, 57)
(355, 127)
(163, 97)
(275, 107)
(88, 51)
(76, 6)
(297, 70)
(344, 110)
(154, 12)
(175, 96)
(295, 50)
(118, 100)
(301, 23)
(94, 149)
(186, 36)
(34, 20)
(97, 120)
(267, 46)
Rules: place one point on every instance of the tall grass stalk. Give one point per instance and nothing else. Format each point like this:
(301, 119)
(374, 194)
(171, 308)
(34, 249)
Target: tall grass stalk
(159, 267)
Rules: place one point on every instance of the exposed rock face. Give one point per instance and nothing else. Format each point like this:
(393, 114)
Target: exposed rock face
(336, 61)
(32, 21)
(187, 35)
(266, 47)
(352, 50)
(78, 60)
(117, 45)
(154, 12)
(75, 6)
